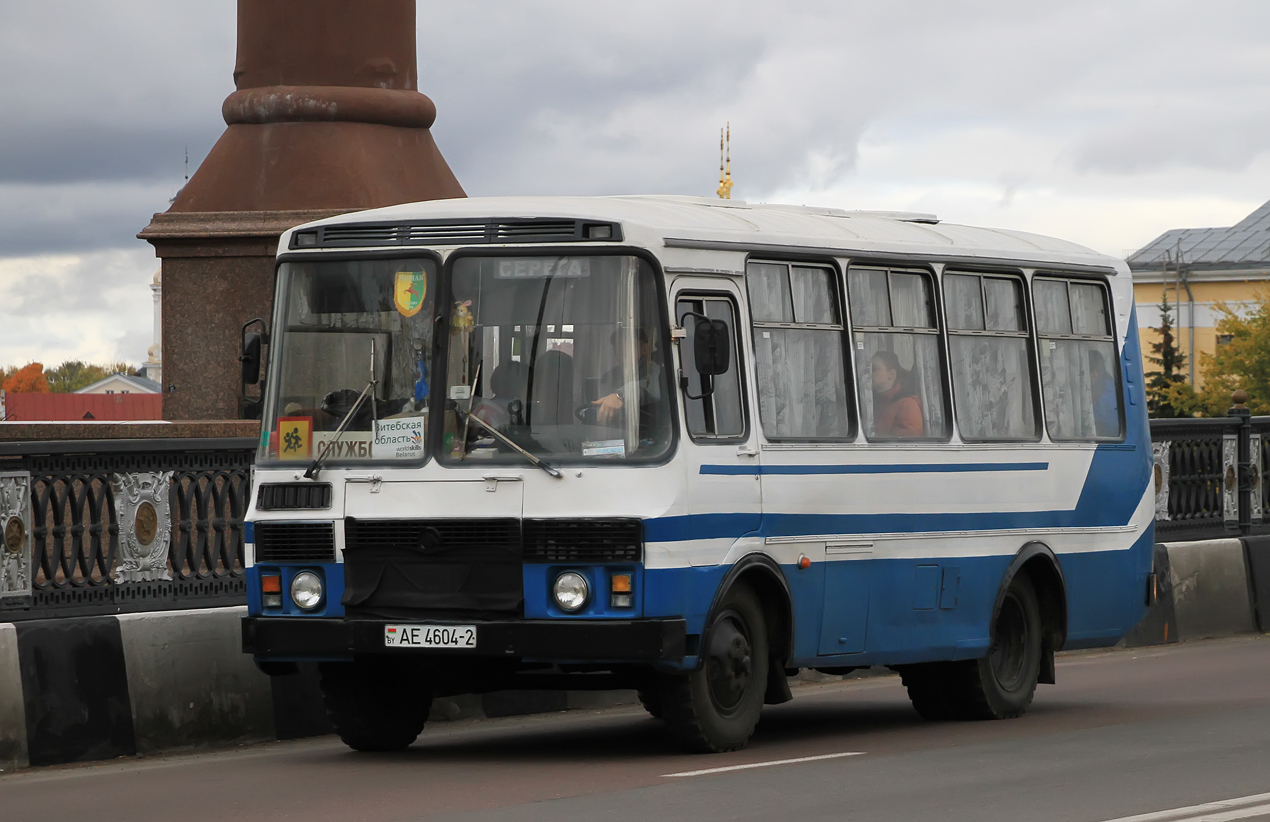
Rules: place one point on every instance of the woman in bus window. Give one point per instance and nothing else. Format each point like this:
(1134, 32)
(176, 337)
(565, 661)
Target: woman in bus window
(896, 411)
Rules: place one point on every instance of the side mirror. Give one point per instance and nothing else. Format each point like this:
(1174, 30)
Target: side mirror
(710, 346)
(250, 356)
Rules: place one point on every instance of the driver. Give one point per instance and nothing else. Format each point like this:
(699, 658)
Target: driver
(645, 389)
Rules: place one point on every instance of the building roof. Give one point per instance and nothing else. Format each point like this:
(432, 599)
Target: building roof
(140, 385)
(674, 220)
(32, 407)
(1243, 245)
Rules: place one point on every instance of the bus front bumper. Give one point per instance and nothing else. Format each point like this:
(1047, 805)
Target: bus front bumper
(309, 638)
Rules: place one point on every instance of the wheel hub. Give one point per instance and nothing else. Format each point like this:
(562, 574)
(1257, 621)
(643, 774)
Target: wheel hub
(729, 665)
(1008, 654)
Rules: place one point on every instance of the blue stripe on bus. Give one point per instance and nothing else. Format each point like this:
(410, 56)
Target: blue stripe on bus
(921, 468)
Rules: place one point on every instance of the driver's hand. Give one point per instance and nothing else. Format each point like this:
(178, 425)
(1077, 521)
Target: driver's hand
(608, 408)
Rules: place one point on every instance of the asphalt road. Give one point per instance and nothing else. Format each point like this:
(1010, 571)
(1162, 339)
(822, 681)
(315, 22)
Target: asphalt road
(1124, 733)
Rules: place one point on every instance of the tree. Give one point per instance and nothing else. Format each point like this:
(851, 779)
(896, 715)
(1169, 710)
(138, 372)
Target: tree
(27, 380)
(73, 375)
(1167, 389)
(1243, 362)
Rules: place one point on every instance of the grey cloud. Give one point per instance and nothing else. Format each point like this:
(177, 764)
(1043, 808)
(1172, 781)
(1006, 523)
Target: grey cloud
(40, 219)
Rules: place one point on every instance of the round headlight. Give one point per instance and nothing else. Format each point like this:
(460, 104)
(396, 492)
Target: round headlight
(306, 590)
(570, 591)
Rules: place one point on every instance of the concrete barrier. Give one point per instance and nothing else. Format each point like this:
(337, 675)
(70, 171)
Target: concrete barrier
(189, 681)
(1257, 553)
(13, 747)
(1210, 591)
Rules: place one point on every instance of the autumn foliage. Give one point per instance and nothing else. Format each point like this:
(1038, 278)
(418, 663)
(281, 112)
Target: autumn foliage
(26, 380)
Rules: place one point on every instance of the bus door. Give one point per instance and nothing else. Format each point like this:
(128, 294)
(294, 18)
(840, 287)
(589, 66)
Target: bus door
(721, 446)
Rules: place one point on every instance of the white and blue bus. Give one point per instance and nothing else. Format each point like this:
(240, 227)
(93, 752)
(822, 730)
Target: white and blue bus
(690, 447)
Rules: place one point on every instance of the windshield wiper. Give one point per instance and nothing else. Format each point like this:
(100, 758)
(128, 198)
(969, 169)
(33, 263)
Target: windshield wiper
(537, 463)
(316, 465)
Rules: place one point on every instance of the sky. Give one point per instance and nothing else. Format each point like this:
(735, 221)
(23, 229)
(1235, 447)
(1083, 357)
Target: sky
(1105, 123)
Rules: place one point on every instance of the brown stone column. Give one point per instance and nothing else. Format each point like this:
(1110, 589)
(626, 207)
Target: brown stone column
(326, 119)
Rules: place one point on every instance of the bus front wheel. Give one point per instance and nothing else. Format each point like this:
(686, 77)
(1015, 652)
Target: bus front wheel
(715, 708)
(374, 706)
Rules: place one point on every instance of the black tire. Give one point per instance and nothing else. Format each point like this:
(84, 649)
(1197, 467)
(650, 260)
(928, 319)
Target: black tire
(715, 708)
(929, 686)
(997, 686)
(374, 706)
(1001, 685)
(650, 698)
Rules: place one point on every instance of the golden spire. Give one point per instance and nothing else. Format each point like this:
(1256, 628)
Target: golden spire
(725, 176)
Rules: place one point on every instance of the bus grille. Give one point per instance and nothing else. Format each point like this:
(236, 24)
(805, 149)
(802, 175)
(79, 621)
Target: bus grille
(276, 496)
(433, 534)
(295, 542)
(548, 540)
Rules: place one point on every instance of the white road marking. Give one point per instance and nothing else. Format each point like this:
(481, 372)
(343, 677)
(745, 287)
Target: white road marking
(705, 771)
(1222, 810)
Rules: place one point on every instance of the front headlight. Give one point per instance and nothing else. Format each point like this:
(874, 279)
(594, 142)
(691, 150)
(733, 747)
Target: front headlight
(306, 590)
(571, 591)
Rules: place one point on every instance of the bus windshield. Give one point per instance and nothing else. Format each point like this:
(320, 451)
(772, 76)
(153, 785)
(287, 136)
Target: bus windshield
(344, 324)
(564, 356)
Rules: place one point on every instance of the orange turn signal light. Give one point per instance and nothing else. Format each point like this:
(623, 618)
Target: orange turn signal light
(804, 562)
(271, 584)
(621, 583)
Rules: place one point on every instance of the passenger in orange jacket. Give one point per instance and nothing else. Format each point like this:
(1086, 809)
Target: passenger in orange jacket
(896, 411)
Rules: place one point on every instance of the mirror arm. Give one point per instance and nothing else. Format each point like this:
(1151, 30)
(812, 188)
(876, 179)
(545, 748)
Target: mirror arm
(683, 386)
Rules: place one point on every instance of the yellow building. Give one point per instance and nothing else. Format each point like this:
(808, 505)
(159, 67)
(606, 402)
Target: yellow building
(1199, 268)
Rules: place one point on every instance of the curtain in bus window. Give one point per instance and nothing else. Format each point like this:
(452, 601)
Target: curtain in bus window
(962, 302)
(911, 404)
(1003, 304)
(801, 383)
(1052, 314)
(813, 296)
(1079, 385)
(1089, 313)
(992, 387)
(769, 293)
(910, 301)
(870, 304)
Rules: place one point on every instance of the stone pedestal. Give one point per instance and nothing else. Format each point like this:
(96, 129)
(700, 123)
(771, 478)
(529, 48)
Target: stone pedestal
(326, 119)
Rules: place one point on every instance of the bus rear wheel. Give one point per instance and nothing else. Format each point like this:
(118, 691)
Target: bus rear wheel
(715, 708)
(374, 705)
(997, 686)
(1001, 685)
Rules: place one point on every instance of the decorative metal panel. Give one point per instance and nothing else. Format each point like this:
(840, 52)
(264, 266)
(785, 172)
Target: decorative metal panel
(1160, 456)
(144, 516)
(1230, 478)
(1254, 453)
(15, 539)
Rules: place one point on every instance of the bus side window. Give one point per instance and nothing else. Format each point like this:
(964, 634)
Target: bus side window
(1079, 370)
(899, 365)
(990, 357)
(719, 416)
(800, 373)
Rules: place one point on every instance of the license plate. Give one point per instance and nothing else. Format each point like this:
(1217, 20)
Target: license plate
(430, 636)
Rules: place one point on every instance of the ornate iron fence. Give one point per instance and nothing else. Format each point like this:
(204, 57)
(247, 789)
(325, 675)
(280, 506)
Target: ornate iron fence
(122, 525)
(1210, 476)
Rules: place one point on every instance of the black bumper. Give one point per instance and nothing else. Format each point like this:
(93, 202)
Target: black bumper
(643, 640)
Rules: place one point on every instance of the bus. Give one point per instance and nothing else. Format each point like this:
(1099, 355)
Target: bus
(690, 447)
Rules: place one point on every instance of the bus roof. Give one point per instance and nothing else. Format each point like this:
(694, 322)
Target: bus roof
(665, 220)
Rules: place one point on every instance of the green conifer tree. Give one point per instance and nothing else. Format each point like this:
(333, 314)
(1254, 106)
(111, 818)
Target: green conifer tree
(1170, 361)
